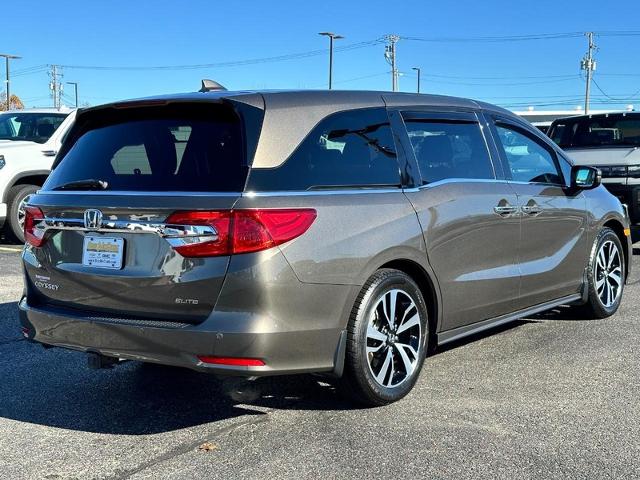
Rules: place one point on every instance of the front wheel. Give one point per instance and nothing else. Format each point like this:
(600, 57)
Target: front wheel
(605, 276)
(386, 339)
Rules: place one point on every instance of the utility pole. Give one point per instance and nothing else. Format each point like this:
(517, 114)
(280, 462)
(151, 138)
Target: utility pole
(56, 85)
(417, 69)
(75, 89)
(8, 57)
(390, 56)
(332, 37)
(588, 64)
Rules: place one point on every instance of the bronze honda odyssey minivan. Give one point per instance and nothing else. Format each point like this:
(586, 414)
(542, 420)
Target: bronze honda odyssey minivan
(344, 233)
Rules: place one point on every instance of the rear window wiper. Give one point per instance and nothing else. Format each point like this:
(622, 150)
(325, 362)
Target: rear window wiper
(87, 184)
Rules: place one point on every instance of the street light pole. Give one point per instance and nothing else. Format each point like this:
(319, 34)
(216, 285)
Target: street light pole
(332, 37)
(8, 57)
(75, 89)
(417, 69)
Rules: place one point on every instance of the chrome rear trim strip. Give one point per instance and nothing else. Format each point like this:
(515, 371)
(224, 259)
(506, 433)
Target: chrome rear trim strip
(177, 235)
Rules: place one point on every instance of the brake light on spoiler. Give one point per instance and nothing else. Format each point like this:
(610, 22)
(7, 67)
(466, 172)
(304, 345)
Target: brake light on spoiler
(240, 231)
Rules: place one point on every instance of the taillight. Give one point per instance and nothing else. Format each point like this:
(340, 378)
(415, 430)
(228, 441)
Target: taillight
(32, 235)
(241, 231)
(203, 246)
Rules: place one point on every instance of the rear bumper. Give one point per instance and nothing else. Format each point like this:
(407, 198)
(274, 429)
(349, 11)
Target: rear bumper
(283, 352)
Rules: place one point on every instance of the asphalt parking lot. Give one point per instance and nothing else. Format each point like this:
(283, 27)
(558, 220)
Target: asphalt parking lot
(548, 397)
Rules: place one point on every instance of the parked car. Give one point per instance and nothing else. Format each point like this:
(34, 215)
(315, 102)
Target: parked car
(343, 233)
(29, 141)
(610, 143)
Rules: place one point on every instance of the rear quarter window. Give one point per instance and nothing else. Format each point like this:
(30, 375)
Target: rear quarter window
(347, 149)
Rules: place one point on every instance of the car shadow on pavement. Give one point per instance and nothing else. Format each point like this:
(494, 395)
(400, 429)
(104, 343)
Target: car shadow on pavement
(7, 240)
(9, 328)
(54, 387)
(480, 335)
(141, 399)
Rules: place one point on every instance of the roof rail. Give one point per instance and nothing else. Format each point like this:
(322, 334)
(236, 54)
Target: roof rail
(210, 86)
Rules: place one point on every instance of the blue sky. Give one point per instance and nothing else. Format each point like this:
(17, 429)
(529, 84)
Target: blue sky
(131, 33)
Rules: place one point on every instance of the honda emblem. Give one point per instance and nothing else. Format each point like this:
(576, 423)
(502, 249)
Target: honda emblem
(92, 219)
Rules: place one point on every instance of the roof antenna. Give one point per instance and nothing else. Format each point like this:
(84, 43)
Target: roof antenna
(210, 86)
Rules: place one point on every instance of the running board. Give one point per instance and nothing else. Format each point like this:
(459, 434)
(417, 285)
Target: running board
(461, 332)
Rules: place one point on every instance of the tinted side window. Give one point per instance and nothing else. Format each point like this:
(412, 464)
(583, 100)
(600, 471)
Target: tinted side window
(528, 159)
(346, 149)
(449, 150)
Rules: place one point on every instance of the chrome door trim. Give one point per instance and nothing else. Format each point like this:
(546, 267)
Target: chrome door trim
(456, 180)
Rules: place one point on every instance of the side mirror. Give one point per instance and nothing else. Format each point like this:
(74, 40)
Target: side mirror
(585, 178)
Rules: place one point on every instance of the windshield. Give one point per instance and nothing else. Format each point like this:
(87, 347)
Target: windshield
(174, 148)
(619, 130)
(32, 127)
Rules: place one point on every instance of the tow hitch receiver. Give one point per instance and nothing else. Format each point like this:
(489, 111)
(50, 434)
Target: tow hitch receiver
(95, 361)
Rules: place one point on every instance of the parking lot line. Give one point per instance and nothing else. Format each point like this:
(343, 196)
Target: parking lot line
(11, 249)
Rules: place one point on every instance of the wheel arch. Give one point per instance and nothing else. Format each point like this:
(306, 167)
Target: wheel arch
(428, 288)
(618, 229)
(35, 177)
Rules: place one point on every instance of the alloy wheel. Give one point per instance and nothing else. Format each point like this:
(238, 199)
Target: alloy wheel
(21, 210)
(394, 336)
(608, 273)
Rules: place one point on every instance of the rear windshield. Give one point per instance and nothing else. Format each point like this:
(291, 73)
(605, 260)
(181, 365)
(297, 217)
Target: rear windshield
(161, 148)
(601, 131)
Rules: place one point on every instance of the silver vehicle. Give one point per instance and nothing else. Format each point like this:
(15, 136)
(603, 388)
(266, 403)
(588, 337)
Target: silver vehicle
(609, 142)
(344, 233)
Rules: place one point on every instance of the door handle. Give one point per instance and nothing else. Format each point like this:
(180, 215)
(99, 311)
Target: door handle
(532, 208)
(505, 210)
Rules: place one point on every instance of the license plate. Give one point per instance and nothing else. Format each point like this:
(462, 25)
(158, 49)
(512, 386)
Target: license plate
(102, 252)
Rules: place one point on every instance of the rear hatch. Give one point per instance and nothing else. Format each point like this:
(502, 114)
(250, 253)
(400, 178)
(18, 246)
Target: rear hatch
(131, 222)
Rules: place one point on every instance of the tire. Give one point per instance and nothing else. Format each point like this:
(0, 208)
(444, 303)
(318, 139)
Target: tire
(15, 218)
(605, 276)
(383, 360)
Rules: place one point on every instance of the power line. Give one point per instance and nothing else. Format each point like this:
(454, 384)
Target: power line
(492, 39)
(499, 84)
(235, 63)
(627, 99)
(517, 77)
(522, 38)
(354, 79)
(30, 70)
(619, 33)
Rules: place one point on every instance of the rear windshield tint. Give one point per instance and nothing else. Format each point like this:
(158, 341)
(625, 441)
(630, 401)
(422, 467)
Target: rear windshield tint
(161, 148)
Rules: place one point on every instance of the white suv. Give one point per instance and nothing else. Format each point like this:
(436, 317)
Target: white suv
(29, 141)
